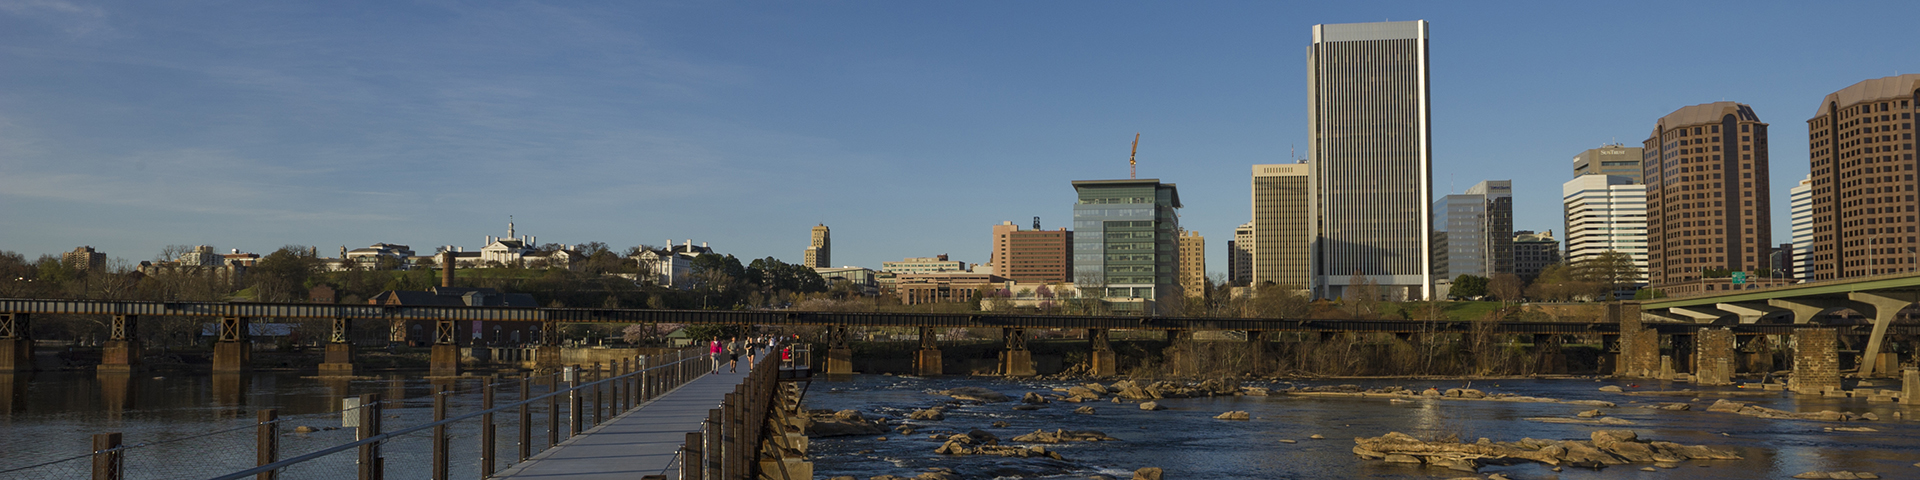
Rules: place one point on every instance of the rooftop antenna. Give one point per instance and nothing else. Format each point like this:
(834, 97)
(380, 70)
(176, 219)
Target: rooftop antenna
(1131, 172)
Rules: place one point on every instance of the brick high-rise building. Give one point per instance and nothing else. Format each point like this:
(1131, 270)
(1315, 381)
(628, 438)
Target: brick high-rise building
(1705, 168)
(1032, 256)
(84, 258)
(1370, 143)
(1193, 264)
(1862, 146)
(820, 249)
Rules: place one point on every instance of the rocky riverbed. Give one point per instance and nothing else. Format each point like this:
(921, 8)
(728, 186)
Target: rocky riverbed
(963, 428)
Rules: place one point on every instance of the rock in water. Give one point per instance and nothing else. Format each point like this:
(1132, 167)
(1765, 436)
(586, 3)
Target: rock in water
(1032, 398)
(1588, 413)
(931, 414)
(1149, 473)
(1087, 410)
(1151, 406)
(976, 394)
(1234, 415)
(1610, 388)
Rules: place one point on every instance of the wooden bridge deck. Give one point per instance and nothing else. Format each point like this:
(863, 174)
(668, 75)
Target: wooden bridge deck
(644, 441)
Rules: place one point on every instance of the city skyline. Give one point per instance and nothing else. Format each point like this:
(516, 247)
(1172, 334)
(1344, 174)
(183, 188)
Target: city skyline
(129, 127)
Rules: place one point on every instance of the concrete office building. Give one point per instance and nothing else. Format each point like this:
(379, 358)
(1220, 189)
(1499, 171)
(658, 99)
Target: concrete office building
(1193, 264)
(1032, 256)
(1127, 241)
(1613, 159)
(1370, 146)
(1800, 208)
(1605, 213)
(1479, 231)
(1533, 252)
(1707, 196)
(1282, 246)
(1240, 256)
(1862, 145)
(820, 249)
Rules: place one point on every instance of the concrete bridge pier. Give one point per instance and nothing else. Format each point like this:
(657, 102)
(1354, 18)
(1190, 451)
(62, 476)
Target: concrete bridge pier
(338, 361)
(1548, 356)
(1180, 353)
(546, 351)
(445, 357)
(122, 350)
(1714, 359)
(1016, 361)
(1609, 360)
(1910, 386)
(839, 354)
(16, 342)
(1885, 307)
(1102, 361)
(1257, 348)
(232, 349)
(926, 362)
(1816, 361)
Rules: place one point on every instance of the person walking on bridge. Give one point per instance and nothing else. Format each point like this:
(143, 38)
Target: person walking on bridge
(753, 349)
(733, 354)
(713, 353)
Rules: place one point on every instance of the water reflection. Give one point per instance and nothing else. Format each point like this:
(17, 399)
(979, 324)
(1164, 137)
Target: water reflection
(13, 391)
(116, 392)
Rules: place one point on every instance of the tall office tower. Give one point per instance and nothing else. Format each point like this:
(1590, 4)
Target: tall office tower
(1605, 213)
(1240, 256)
(1800, 208)
(1127, 241)
(1369, 141)
(820, 250)
(1862, 146)
(1707, 209)
(1036, 256)
(1479, 231)
(1282, 243)
(1613, 159)
(1193, 264)
(1533, 252)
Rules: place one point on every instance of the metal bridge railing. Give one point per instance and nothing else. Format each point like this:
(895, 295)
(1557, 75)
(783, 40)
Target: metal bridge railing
(554, 406)
(731, 442)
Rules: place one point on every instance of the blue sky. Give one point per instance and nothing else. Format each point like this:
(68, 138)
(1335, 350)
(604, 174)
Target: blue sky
(908, 127)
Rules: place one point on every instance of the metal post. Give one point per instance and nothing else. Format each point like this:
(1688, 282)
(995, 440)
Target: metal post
(526, 417)
(487, 429)
(736, 412)
(644, 386)
(370, 461)
(107, 457)
(440, 432)
(598, 400)
(267, 442)
(573, 401)
(553, 411)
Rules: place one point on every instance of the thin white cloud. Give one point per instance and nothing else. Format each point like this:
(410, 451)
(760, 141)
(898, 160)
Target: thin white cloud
(73, 18)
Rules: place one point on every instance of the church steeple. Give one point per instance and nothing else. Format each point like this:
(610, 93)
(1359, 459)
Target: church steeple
(510, 227)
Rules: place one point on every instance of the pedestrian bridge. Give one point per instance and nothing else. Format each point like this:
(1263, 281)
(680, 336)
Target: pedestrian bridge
(1881, 299)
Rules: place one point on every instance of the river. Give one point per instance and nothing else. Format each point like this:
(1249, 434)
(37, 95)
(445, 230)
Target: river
(1188, 443)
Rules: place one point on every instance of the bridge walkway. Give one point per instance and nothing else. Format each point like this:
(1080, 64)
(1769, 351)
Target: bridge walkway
(644, 441)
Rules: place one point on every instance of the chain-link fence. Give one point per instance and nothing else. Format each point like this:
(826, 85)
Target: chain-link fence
(444, 432)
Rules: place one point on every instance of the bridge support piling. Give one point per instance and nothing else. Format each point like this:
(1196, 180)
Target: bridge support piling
(1714, 359)
(1639, 346)
(546, 351)
(1910, 386)
(231, 351)
(121, 353)
(1885, 308)
(1549, 357)
(1101, 360)
(1257, 349)
(16, 342)
(338, 361)
(445, 357)
(839, 354)
(926, 362)
(1816, 361)
(1016, 361)
(1180, 354)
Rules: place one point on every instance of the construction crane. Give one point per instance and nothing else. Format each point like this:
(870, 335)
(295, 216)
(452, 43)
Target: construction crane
(1131, 172)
